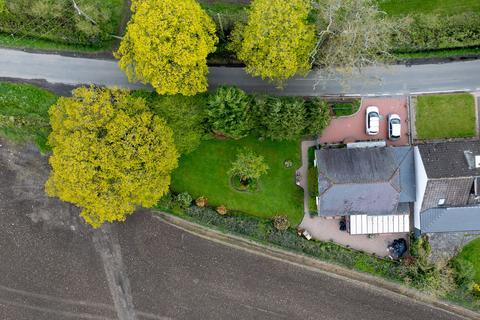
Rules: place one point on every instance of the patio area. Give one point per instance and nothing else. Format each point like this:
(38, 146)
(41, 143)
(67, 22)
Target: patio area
(328, 230)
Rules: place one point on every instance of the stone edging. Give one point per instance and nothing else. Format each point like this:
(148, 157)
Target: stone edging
(376, 283)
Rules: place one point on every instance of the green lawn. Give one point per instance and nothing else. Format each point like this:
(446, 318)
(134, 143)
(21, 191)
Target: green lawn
(471, 253)
(403, 7)
(204, 172)
(24, 113)
(445, 116)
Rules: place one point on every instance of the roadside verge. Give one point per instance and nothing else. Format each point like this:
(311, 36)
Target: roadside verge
(385, 287)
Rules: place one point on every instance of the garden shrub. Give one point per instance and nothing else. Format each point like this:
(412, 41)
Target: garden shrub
(229, 112)
(464, 273)
(184, 200)
(281, 118)
(167, 201)
(201, 202)
(222, 210)
(280, 222)
(318, 116)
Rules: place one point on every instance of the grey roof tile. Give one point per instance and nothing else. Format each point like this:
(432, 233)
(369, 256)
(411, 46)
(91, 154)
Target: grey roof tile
(454, 219)
(447, 159)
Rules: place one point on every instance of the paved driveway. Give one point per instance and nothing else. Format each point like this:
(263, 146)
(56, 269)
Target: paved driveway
(352, 128)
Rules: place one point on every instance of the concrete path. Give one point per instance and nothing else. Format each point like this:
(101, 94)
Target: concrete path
(392, 80)
(329, 230)
(303, 173)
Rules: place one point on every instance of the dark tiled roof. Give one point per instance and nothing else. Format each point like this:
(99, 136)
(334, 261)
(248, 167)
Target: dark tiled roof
(454, 219)
(371, 199)
(447, 159)
(365, 180)
(455, 191)
(361, 165)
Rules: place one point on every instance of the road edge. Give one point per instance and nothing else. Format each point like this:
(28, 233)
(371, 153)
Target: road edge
(376, 283)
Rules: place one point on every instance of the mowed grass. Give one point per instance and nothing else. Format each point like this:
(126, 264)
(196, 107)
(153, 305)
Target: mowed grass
(471, 253)
(204, 172)
(445, 116)
(24, 113)
(444, 7)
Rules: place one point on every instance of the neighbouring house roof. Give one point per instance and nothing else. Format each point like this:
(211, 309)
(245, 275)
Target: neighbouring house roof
(454, 219)
(454, 191)
(365, 180)
(447, 159)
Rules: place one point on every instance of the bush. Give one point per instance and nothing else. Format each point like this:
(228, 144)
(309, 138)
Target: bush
(166, 202)
(280, 222)
(185, 115)
(201, 202)
(184, 200)
(229, 112)
(318, 116)
(222, 210)
(281, 118)
(476, 289)
(464, 273)
(430, 32)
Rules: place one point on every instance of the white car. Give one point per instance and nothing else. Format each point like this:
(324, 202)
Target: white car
(394, 126)
(372, 120)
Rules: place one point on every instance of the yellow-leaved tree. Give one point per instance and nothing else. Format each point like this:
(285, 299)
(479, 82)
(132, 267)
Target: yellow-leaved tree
(166, 45)
(110, 154)
(277, 39)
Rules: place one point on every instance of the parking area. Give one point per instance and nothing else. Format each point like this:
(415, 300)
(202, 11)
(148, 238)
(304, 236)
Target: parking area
(352, 128)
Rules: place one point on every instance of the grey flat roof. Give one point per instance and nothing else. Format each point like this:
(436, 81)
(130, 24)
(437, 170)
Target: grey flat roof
(454, 219)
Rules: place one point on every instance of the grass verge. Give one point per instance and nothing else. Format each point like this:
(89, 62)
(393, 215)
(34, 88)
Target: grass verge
(445, 116)
(24, 113)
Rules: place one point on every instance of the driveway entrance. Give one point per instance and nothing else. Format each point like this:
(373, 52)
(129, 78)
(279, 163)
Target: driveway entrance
(352, 128)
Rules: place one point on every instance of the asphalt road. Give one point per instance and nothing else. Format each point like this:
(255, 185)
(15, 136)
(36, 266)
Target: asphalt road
(392, 80)
(53, 267)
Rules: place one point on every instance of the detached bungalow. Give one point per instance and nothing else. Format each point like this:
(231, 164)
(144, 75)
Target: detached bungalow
(373, 188)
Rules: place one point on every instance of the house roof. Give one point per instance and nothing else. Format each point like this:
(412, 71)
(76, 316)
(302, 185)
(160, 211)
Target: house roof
(454, 219)
(364, 180)
(447, 159)
(455, 192)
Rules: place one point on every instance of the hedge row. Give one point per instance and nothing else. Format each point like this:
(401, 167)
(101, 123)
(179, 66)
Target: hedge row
(431, 32)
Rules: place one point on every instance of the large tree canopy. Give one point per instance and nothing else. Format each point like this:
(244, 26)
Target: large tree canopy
(352, 34)
(166, 45)
(110, 153)
(277, 40)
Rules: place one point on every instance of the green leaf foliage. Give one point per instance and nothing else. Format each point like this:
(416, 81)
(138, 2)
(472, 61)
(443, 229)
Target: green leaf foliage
(166, 45)
(281, 118)
(277, 39)
(184, 115)
(229, 112)
(248, 166)
(318, 116)
(110, 154)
